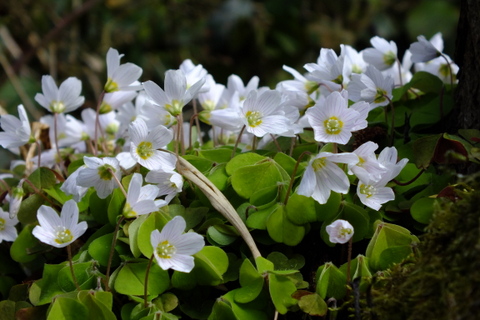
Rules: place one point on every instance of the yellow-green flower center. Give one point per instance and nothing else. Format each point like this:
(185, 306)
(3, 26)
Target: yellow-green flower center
(361, 161)
(128, 212)
(319, 163)
(57, 106)
(380, 96)
(333, 125)
(2, 224)
(254, 118)
(311, 86)
(175, 108)
(106, 172)
(111, 86)
(389, 58)
(367, 190)
(166, 250)
(145, 150)
(345, 231)
(105, 108)
(63, 235)
(338, 80)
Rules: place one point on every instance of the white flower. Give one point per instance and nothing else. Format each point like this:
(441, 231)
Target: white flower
(173, 249)
(70, 186)
(194, 73)
(140, 200)
(339, 231)
(176, 94)
(121, 77)
(383, 55)
(17, 132)
(59, 231)
(323, 175)
(65, 98)
(114, 100)
(374, 193)
(262, 113)
(334, 121)
(328, 70)
(8, 232)
(16, 199)
(371, 87)
(99, 174)
(368, 165)
(210, 99)
(144, 145)
(235, 84)
(424, 50)
(388, 159)
(169, 183)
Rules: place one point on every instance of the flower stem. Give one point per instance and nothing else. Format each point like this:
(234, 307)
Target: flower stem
(120, 185)
(69, 252)
(197, 122)
(147, 272)
(97, 122)
(237, 142)
(392, 130)
(112, 250)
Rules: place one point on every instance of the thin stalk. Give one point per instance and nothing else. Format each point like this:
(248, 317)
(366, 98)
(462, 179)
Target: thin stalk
(55, 133)
(237, 142)
(349, 259)
(118, 182)
(39, 153)
(292, 178)
(194, 117)
(40, 193)
(450, 69)
(147, 272)
(411, 181)
(292, 145)
(276, 143)
(400, 72)
(392, 130)
(112, 250)
(69, 252)
(197, 122)
(254, 143)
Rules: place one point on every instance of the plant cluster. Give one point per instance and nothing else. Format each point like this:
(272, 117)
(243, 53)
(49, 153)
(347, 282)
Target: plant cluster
(231, 211)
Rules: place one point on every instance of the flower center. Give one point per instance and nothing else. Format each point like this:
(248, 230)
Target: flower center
(254, 118)
(344, 232)
(145, 150)
(106, 172)
(319, 163)
(166, 250)
(367, 190)
(389, 58)
(63, 235)
(175, 108)
(333, 125)
(57, 106)
(380, 96)
(2, 224)
(361, 161)
(311, 86)
(111, 85)
(128, 212)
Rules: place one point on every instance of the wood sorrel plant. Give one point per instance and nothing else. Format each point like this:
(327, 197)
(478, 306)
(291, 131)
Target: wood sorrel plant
(230, 221)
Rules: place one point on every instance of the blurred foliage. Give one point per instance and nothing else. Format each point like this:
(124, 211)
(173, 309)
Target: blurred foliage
(244, 37)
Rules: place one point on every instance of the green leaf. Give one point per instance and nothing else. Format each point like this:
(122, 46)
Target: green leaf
(222, 310)
(219, 238)
(300, 209)
(133, 229)
(287, 163)
(99, 249)
(22, 248)
(131, 279)
(248, 180)
(422, 210)
(282, 230)
(265, 197)
(202, 164)
(48, 285)
(386, 236)
(220, 155)
(242, 160)
(156, 220)
(219, 177)
(313, 304)
(330, 209)
(425, 82)
(99, 209)
(393, 255)
(424, 149)
(251, 282)
(281, 262)
(281, 290)
(166, 302)
(7, 310)
(210, 264)
(86, 278)
(95, 303)
(28, 209)
(67, 309)
(115, 206)
(258, 219)
(331, 282)
(264, 265)
(41, 178)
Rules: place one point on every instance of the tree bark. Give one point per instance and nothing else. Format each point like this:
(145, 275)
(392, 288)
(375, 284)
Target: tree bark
(467, 56)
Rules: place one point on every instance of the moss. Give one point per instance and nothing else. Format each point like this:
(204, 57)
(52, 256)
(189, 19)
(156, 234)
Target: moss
(443, 282)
